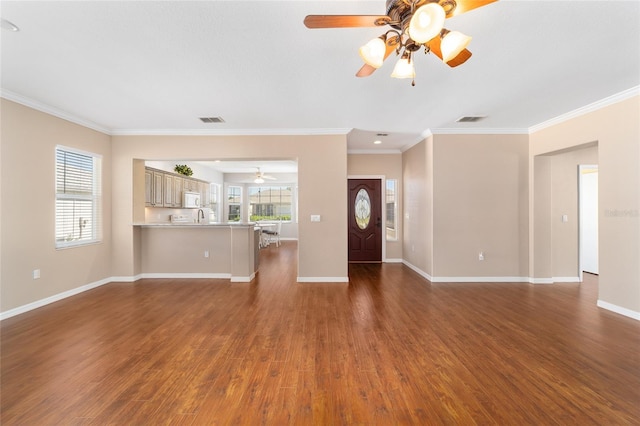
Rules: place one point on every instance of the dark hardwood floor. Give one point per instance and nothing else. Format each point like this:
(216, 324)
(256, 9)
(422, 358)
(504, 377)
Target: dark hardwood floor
(387, 348)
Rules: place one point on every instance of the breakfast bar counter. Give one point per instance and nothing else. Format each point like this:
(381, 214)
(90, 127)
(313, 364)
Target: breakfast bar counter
(199, 250)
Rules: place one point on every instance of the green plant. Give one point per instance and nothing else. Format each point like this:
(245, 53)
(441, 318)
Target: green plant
(183, 169)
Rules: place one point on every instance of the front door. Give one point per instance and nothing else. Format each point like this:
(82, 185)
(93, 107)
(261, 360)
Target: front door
(365, 220)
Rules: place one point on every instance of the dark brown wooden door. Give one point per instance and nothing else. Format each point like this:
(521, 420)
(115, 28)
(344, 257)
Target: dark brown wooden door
(365, 220)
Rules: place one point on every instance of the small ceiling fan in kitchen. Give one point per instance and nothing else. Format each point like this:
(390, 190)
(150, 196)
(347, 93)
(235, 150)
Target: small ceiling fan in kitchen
(260, 177)
(415, 24)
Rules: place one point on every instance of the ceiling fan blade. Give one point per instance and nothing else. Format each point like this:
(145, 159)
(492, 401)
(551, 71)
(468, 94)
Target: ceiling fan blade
(367, 69)
(463, 6)
(460, 59)
(345, 21)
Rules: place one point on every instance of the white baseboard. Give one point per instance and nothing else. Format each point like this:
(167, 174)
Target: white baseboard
(418, 270)
(322, 279)
(185, 275)
(566, 279)
(540, 280)
(480, 279)
(619, 310)
(125, 279)
(248, 279)
(388, 260)
(51, 299)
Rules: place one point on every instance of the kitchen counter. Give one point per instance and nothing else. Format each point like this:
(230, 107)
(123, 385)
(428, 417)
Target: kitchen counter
(194, 224)
(199, 250)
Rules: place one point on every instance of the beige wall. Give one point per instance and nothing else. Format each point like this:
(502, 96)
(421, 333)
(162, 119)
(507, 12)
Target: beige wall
(390, 166)
(616, 129)
(29, 139)
(322, 174)
(480, 204)
(417, 201)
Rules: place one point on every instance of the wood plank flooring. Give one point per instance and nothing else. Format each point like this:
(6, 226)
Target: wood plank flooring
(388, 348)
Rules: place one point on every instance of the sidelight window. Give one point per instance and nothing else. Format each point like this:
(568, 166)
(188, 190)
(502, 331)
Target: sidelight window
(391, 209)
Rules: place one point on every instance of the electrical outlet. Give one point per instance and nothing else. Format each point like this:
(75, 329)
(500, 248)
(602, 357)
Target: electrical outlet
(481, 256)
(36, 274)
(206, 253)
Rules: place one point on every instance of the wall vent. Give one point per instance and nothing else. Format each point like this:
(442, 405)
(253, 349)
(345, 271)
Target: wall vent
(211, 119)
(471, 118)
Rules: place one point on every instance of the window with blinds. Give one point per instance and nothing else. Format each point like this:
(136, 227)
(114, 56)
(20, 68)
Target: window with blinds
(78, 198)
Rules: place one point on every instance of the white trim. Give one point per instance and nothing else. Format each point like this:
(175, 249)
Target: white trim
(186, 275)
(479, 131)
(566, 279)
(374, 151)
(322, 279)
(51, 299)
(127, 279)
(480, 279)
(239, 279)
(39, 106)
(424, 135)
(613, 99)
(383, 209)
(417, 270)
(540, 280)
(619, 309)
(229, 132)
(391, 260)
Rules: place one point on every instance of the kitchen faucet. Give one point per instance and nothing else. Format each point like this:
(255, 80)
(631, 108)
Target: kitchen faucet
(200, 212)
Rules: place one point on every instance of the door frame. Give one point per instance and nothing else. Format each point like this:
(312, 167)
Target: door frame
(582, 167)
(383, 197)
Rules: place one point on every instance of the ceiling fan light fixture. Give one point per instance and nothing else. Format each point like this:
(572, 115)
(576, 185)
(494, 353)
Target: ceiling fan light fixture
(259, 180)
(404, 68)
(373, 52)
(453, 42)
(427, 22)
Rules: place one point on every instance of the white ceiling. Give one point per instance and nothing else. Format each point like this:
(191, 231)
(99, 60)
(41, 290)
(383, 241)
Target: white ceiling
(156, 66)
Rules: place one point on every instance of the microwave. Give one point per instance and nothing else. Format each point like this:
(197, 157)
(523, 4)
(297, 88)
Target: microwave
(191, 200)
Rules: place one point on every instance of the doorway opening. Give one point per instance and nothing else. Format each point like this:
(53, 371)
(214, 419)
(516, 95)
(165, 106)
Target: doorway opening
(588, 223)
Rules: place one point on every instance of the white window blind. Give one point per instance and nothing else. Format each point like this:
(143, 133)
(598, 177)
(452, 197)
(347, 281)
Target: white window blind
(78, 198)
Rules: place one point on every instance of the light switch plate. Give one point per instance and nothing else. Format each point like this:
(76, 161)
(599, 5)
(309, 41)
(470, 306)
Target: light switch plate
(315, 218)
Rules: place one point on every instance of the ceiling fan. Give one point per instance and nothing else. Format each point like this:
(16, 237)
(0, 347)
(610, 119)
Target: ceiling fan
(260, 177)
(415, 24)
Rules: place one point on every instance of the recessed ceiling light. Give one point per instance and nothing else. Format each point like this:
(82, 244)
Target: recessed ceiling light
(7, 25)
(378, 142)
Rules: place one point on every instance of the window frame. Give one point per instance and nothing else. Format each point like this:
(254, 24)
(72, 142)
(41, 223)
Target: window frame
(391, 233)
(229, 204)
(95, 197)
(292, 205)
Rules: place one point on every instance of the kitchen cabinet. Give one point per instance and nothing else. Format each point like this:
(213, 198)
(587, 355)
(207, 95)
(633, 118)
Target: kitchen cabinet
(153, 185)
(165, 189)
(172, 191)
(205, 194)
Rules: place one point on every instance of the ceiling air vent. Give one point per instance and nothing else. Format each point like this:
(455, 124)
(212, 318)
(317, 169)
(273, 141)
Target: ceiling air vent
(470, 118)
(211, 119)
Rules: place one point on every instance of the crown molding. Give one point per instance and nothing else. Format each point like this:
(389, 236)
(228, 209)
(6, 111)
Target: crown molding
(374, 151)
(47, 109)
(230, 132)
(479, 131)
(613, 99)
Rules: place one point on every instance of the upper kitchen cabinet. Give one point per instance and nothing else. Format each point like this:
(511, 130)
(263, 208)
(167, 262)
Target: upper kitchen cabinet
(165, 189)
